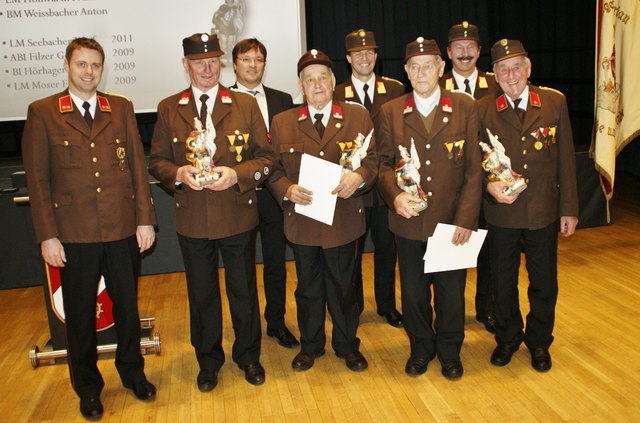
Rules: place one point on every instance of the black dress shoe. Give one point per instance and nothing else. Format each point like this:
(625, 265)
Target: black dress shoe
(207, 380)
(284, 337)
(91, 408)
(416, 366)
(489, 322)
(452, 369)
(355, 361)
(394, 318)
(501, 356)
(540, 359)
(143, 390)
(254, 373)
(304, 361)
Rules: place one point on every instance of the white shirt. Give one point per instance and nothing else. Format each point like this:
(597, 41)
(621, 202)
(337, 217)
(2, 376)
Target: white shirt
(426, 105)
(473, 78)
(260, 97)
(359, 86)
(212, 93)
(524, 99)
(326, 113)
(92, 103)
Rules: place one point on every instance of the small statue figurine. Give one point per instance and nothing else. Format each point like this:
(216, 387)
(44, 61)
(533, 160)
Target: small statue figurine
(353, 152)
(498, 165)
(201, 148)
(408, 177)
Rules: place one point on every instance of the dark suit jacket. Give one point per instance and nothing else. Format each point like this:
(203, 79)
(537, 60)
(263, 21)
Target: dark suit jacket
(293, 134)
(77, 189)
(237, 118)
(277, 101)
(550, 171)
(453, 182)
(485, 84)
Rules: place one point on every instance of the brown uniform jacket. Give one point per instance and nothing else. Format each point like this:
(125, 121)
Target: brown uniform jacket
(452, 181)
(238, 121)
(293, 134)
(485, 84)
(386, 89)
(85, 185)
(546, 162)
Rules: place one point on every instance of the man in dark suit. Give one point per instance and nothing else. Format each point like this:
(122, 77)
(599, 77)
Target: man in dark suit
(93, 215)
(441, 131)
(249, 59)
(215, 217)
(372, 91)
(324, 254)
(464, 51)
(532, 123)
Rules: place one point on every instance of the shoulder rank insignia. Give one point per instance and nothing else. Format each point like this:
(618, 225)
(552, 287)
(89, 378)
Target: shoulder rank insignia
(348, 91)
(224, 96)
(501, 103)
(448, 84)
(534, 98)
(184, 98)
(447, 105)
(336, 111)
(408, 106)
(103, 104)
(303, 113)
(381, 89)
(482, 82)
(65, 104)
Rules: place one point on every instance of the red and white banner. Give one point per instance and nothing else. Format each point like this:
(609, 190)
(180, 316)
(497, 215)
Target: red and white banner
(617, 105)
(104, 306)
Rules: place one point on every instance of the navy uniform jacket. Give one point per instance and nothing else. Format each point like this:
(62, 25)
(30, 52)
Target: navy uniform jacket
(85, 185)
(453, 182)
(292, 134)
(541, 149)
(238, 121)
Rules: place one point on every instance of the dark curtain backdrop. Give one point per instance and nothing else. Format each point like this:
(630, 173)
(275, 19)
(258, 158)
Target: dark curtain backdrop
(559, 36)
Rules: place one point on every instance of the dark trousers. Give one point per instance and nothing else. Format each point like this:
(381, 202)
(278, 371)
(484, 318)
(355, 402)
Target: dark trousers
(541, 253)
(274, 272)
(203, 285)
(384, 259)
(484, 285)
(119, 263)
(325, 279)
(445, 336)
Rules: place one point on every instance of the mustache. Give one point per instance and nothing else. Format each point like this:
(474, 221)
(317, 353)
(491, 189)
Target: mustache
(464, 57)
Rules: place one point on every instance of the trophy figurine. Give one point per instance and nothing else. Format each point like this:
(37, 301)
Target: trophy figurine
(353, 152)
(408, 177)
(498, 166)
(201, 147)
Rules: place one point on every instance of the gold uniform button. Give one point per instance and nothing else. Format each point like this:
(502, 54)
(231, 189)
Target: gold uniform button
(55, 205)
(321, 153)
(523, 138)
(99, 189)
(66, 143)
(524, 152)
(97, 174)
(93, 144)
(117, 141)
(175, 139)
(526, 181)
(177, 204)
(95, 160)
(526, 166)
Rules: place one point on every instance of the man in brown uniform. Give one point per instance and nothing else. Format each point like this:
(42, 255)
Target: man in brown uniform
(464, 51)
(532, 123)
(324, 253)
(218, 217)
(443, 126)
(372, 91)
(93, 215)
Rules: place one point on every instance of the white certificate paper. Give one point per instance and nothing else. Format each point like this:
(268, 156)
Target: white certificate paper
(320, 177)
(442, 255)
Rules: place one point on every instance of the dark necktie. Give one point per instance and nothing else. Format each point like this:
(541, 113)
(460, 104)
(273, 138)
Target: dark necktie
(318, 123)
(203, 110)
(518, 110)
(467, 87)
(253, 92)
(87, 114)
(366, 101)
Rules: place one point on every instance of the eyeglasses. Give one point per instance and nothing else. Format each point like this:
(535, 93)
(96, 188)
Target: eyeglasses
(247, 60)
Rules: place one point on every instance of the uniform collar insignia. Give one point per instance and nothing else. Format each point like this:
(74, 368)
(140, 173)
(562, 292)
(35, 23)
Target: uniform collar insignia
(184, 98)
(408, 105)
(447, 105)
(448, 85)
(501, 103)
(224, 96)
(348, 91)
(103, 104)
(336, 111)
(381, 88)
(534, 98)
(303, 113)
(482, 82)
(65, 104)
